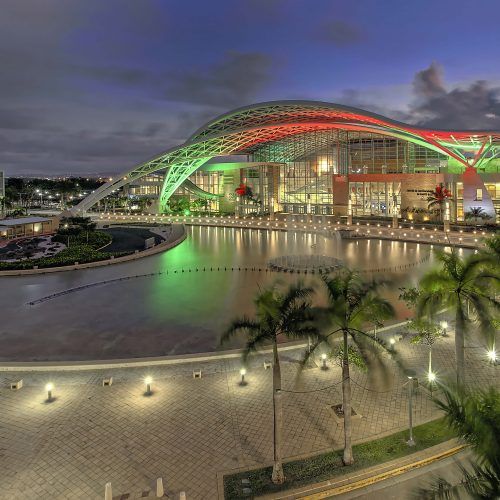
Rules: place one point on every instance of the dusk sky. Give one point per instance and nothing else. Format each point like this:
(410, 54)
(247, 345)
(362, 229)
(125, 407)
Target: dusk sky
(96, 86)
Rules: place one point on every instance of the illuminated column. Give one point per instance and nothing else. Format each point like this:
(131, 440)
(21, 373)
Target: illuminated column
(395, 223)
(349, 211)
(271, 209)
(446, 218)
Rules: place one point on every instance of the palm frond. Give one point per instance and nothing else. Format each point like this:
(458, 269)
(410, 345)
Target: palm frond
(294, 294)
(369, 349)
(253, 343)
(239, 325)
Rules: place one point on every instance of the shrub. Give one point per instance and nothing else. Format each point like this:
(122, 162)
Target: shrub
(78, 253)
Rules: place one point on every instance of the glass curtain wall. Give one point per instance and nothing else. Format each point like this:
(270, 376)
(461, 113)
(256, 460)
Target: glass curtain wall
(374, 153)
(375, 198)
(211, 182)
(309, 162)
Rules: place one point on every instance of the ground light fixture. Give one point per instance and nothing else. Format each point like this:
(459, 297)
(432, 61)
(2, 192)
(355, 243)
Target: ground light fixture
(492, 355)
(431, 376)
(148, 381)
(444, 326)
(392, 341)
(243, 372)
(323, 361)
(49, 388)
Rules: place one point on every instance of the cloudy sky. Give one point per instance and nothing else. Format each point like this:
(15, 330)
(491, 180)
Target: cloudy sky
(96, 86)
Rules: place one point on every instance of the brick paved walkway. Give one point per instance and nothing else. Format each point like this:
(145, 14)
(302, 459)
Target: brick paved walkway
(189, 429)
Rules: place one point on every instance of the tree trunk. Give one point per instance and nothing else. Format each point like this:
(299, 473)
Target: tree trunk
(430, 360)
(278, 477)
(346, 405)
(460, 344)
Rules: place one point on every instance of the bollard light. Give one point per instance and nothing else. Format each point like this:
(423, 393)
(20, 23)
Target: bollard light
(49, 388)
(444, 326)
(243, 372)
(160, 490)
(108, 492)
(148, 381)
(431, 376)
(392, 341)
(323, 359)
(492, 355)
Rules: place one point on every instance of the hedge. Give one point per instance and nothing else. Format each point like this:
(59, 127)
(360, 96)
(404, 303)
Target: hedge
(78, 253)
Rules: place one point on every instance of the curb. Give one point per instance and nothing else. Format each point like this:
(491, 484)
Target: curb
(350, 482)
(363, 483)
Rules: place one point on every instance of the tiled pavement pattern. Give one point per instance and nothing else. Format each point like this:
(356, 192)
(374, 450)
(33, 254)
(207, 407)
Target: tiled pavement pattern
(189, 429)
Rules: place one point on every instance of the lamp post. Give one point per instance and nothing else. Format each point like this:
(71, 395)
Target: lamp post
(411, 377)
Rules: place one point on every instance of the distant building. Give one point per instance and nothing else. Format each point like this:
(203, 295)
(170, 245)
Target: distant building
(24, 227)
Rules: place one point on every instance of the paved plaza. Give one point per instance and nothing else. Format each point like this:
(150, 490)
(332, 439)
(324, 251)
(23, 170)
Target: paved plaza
(189, 430)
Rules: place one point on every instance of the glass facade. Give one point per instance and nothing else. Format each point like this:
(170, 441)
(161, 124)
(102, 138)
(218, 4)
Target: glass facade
(309, 161)
(375, 198)
(297, 176)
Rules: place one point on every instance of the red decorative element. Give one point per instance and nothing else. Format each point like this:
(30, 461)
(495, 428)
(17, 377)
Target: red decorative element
(243, 190)
(441, 193)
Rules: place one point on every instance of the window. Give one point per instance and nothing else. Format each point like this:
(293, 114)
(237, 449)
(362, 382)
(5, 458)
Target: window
(479, 194)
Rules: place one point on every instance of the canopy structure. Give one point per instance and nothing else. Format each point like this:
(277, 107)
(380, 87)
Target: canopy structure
(244, 130)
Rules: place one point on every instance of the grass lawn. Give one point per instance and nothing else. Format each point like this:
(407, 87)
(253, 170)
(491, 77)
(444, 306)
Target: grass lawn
(329, 465)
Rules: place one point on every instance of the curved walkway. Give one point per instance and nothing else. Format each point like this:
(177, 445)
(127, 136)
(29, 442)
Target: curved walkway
(327, 226)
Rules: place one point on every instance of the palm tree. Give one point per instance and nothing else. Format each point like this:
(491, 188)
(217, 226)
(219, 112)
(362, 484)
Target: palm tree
(353, 304)
(461, 284)
(476, 419)
(476, 213)
(278, 313)
(492, 251)
(438, 199)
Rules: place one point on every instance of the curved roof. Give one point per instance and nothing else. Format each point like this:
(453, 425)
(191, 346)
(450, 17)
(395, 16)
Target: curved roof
(299, 111)
(245, 129)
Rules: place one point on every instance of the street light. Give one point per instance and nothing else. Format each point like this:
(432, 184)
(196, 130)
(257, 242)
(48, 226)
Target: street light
(411, 378)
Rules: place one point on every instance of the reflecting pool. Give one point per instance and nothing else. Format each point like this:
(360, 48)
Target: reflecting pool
(176, 313)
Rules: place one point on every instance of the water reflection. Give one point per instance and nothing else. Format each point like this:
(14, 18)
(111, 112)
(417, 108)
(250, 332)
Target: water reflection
(175, 313)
